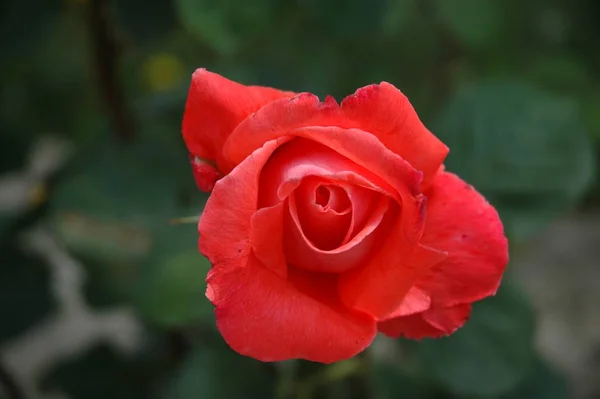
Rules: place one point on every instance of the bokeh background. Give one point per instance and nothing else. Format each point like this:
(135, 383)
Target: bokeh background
(101, 285)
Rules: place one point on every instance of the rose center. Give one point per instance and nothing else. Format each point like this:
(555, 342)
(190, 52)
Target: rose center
(322, 196)
(332, 197)
(324, 212)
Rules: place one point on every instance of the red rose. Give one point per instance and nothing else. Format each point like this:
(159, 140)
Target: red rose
(333, 221)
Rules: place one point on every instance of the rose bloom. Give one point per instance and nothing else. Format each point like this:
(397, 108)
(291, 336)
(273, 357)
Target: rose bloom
(330, 222)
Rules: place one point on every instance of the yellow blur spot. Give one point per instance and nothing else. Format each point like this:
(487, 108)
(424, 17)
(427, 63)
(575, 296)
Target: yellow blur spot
(163, 72)
(38, 195)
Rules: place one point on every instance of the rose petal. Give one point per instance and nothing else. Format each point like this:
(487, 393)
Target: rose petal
(324, 226)
(266, 236)
(415, 301)
(225, 223)
(359, 146)
(271, 319)
(462, 223)
(382, 110)
(363, 202)
(365, 150)
(205, 174)
(448, 319)
(433, 323)
(386, 112)
(300, 158)
(301, 253)
(215, 106)
(411, 327)
(379, 286)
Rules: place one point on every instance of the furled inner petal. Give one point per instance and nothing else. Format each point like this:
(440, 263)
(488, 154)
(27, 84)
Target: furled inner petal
(335, 207)
(363, 201)
(300, 158)
(324, 211)
(300, 251)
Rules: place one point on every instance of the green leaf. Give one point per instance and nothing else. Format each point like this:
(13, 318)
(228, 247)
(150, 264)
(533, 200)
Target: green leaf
(113, 212)
(399, 15)
(141, 183)
(225, 25)
(525, 150)
(560, 72)
(591, 116)
(475, 23)
(218, 372)
(347, 18)
(491, 354)
(25, 295)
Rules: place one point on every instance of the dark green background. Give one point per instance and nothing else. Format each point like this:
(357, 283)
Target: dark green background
(510, 86)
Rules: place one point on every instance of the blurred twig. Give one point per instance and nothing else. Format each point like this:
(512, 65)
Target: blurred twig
(9, 385)
(106, 63)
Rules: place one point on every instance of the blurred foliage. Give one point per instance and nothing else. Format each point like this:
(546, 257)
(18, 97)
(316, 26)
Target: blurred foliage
(114, 376)
(206, 373)
(25, 295)
(525, 150)
(490, 355)
(510, 86)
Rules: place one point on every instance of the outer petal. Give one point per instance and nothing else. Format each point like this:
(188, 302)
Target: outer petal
(433, 323)
(415, 301)
(382, 110)
(380, 285)
(462, 223)
(412, 327)
(268, 318)
(266, 236)
(225, 229)
(290, 117)
(214, 107)
(204, 173)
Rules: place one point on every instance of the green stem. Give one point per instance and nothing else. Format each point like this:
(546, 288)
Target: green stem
(332, 373)
(287, 376)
